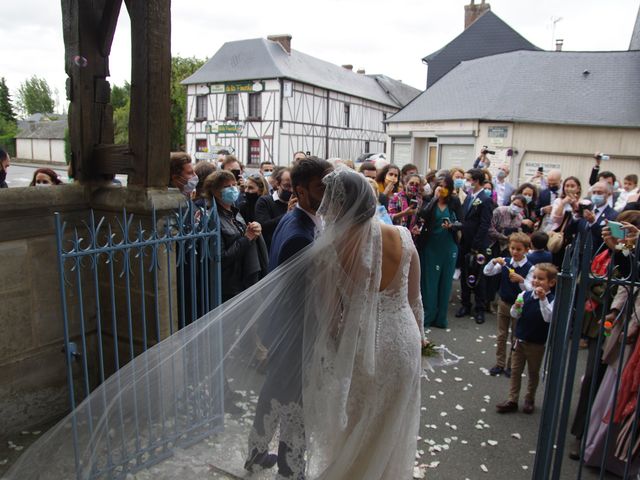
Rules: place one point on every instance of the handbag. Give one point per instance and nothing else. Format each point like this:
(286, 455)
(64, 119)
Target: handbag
(556, 238)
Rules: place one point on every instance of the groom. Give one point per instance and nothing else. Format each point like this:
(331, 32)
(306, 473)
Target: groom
(280, 401)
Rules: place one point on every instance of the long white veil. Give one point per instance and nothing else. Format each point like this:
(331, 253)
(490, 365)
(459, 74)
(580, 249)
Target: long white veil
(316, 314)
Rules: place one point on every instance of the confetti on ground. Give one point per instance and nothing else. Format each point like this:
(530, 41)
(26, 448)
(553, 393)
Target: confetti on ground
(493, 443)
(439, 380)
(516, 436)
(525, 467)
(459, 407)
(457, 379)
(443, 414)
(484, 468)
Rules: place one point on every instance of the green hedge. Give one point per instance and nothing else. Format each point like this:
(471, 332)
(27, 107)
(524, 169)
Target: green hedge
(8, 143)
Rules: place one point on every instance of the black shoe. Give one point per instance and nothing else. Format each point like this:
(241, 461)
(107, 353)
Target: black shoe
(479, 317)
(463, 312)
(507, 372)
(264, 460)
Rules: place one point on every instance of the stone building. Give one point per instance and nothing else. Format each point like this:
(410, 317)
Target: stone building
(41, 139)
(266, 101)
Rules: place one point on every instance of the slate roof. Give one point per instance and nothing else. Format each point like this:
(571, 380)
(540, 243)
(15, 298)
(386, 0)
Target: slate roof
(259, 58)
(44, 129)
(538, 87)
(488, 35)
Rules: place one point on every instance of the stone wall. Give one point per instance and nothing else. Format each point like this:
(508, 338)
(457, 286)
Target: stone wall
(33, 379)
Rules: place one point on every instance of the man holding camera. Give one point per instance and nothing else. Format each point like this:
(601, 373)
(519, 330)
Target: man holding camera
(477, 212)
(592, 216)
(483, 161)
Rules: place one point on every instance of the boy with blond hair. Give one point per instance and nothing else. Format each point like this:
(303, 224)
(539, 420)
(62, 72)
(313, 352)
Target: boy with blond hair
(517, 273)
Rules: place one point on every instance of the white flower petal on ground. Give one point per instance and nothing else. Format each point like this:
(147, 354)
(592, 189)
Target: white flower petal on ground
(418, 472)
(457, 379)
(443, 414)
(516, 436)
(525, 467)
(439, 380)
(493, 443)
(483, 444)
(433, 464)
(484, 468)
(459, 407)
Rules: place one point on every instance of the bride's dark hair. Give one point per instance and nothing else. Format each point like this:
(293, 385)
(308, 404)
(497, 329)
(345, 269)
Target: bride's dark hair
(348, 197)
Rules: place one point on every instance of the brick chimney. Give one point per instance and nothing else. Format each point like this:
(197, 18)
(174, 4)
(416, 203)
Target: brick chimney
(361, 71)
(559, 43)
(472, 12)
(348, 67)
(283, 40)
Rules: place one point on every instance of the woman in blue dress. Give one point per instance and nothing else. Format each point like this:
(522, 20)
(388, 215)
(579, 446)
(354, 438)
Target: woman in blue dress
(438, 248)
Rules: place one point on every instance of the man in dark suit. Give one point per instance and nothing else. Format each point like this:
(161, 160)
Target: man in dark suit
(477, 211)
(594, 219)
(549, 194)
(283, 336)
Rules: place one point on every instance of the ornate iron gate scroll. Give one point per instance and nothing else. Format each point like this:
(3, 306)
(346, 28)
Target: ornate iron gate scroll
(125, 288)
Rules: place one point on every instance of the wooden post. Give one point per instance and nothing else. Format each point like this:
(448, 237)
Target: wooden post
(89, 28)
(150, 119)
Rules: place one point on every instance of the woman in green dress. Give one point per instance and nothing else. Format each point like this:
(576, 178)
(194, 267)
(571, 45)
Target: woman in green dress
(438, 248)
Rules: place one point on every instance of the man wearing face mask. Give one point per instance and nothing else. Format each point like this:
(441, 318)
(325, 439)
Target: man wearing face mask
(549, 194)
(503, 188)
(593, 220)
(271, 208)
(182, 175)
(5, 161)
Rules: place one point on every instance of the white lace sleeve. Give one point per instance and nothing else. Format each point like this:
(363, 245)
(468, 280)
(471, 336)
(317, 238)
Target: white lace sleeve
(415, 298)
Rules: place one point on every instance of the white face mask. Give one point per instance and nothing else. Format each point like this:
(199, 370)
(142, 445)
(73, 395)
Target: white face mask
(43, 184)
(191, 185)
(515, 210)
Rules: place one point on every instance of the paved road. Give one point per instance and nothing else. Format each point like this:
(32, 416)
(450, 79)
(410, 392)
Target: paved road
(21, 174)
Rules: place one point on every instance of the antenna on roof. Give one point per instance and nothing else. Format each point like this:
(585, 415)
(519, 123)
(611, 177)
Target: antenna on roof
(554, 20)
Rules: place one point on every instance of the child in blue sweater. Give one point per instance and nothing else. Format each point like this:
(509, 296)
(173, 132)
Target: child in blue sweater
(533, 310)
(516, 272)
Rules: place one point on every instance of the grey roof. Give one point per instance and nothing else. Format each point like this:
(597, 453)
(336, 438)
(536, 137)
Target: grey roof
(45, 129)
(259, 58)
(488, 35)
(400, 92)
(539, 87)
(635, 36)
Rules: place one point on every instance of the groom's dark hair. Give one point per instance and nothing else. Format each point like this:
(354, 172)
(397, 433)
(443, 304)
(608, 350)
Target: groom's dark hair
(307, 169)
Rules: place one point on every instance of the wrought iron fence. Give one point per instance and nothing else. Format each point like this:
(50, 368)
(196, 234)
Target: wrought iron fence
(127, 282)
(606, 432)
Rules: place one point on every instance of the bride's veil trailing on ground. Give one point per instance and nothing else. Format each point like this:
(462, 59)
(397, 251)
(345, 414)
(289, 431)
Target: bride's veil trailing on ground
(330, 288)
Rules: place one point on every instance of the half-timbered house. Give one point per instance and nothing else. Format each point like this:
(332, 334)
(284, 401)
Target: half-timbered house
(266, 101)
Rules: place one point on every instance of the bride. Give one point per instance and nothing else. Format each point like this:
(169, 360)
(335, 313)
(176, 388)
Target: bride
(356, 293)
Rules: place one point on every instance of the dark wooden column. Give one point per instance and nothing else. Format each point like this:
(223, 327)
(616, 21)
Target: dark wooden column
(89, 27)
(150, 116)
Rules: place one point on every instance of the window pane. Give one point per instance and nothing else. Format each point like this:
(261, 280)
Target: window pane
(255, 105)
(201, 106)
(232, 106)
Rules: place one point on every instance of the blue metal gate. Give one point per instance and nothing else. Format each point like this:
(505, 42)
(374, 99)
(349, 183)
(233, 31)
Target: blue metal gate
(127, 282)
(574, 404)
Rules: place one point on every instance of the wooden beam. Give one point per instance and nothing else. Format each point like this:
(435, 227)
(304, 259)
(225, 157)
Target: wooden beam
(108, 23)
(114, 159)
(150, 116)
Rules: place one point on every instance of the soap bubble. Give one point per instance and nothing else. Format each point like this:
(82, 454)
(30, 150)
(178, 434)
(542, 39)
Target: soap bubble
(80, 61)
(471, 280)
(481, 259)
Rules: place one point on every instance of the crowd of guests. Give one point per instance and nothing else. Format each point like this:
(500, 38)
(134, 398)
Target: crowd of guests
(504, 242)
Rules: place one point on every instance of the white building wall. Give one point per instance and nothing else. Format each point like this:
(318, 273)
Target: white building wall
(57, 151)
(41, 149)
(24, 148)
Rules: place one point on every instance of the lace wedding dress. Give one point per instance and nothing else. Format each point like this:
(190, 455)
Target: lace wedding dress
(383, 406)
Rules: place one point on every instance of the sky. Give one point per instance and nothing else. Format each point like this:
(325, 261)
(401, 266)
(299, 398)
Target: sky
(389, 37)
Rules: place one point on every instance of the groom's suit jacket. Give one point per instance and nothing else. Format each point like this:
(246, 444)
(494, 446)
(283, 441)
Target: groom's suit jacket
(294, 232)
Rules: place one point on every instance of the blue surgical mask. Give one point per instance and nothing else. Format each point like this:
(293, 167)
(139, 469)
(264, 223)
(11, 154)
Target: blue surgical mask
(598, 200)
(528, 198)
(229, 195)
(458, 183)
(616, 185)
(488, 192)
(516, 210)
(266, 174)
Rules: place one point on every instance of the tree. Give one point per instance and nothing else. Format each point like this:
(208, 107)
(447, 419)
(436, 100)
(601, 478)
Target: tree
(121, 123)
(181, 68)
(34, 96)
(6, 109)
(120, 95)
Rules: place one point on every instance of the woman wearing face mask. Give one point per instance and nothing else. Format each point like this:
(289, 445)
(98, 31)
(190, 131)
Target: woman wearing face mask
(529, 216)
(271, 208)
(566, 204)
(438, 249)
(388, 180)
(404, 205)
(457, 174)
(254, 188)
(44, 177)
(244, 254)
(505, 221)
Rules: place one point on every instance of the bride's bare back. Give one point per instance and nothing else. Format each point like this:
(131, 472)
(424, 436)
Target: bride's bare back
(391, 254)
